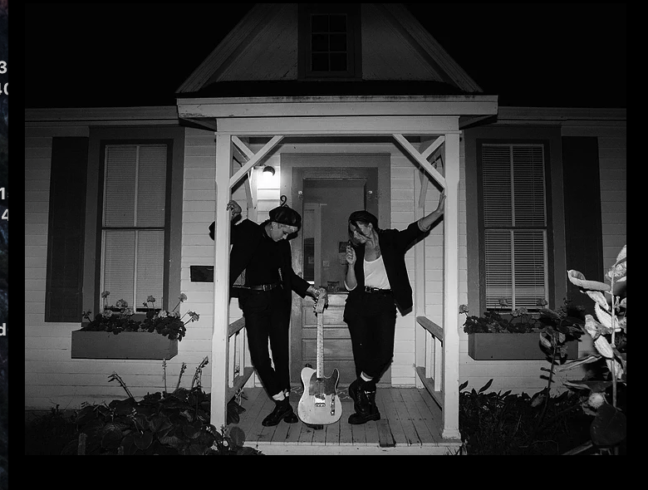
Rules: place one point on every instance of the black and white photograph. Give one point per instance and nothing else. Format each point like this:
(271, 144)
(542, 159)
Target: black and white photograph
(321, 229)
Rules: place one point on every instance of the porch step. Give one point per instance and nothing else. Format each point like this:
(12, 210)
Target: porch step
(297, 449)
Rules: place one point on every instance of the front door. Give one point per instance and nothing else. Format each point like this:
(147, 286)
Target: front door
(325, 197)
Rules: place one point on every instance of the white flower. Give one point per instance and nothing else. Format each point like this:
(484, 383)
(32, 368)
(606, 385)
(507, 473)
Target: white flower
(596, 400)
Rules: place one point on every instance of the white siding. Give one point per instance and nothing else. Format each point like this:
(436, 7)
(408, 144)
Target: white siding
(612, 161)
(51, 376)
(524, 376)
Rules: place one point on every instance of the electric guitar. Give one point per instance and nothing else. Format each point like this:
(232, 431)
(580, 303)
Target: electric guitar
(319, 403)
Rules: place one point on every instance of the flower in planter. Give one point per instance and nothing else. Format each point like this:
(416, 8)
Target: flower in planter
(169, 324)
(521, 320)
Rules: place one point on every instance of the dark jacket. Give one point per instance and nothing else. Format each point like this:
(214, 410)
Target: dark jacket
(393, 246)
(245, 238)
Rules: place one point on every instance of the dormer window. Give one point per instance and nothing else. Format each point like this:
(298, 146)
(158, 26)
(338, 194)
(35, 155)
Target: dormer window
(329, 41)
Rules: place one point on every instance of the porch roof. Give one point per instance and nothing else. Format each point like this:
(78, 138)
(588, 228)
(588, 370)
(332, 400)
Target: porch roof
(338, 114)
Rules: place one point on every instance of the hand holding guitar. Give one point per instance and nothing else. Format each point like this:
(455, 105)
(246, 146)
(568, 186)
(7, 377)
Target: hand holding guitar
(321, 301)
(319, 403)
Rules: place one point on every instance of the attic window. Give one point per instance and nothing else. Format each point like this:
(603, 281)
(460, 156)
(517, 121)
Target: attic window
(329, 45)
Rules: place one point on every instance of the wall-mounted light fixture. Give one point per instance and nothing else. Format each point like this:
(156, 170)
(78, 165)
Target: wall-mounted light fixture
(269, 169)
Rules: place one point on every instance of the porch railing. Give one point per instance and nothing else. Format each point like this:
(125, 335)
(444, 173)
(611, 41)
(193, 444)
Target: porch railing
(237, 372)
(431, 374)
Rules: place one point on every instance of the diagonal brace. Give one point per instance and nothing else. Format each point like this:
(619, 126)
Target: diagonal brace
(434, 173)
(254, 158)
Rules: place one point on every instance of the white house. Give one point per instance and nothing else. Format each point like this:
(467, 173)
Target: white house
(353, 106)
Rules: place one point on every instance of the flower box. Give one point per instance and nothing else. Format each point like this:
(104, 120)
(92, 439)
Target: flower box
(124, 345)
(511, 346)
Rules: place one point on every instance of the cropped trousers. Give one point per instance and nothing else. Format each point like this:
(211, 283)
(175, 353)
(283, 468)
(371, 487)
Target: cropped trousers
(371, 318)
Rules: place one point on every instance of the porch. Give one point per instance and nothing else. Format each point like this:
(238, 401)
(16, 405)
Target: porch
(420, 127)
(410, 424)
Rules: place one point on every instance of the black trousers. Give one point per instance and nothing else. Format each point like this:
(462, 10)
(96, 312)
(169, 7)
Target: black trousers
(371, 318)
(267, 316)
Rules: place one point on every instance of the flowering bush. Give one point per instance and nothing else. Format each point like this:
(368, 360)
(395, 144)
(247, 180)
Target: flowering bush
(118, 319)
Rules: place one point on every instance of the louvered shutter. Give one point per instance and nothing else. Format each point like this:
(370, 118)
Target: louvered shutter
(134, 223)
(514, 225)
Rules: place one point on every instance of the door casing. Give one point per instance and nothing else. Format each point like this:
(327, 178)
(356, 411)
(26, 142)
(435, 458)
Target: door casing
(337, 345)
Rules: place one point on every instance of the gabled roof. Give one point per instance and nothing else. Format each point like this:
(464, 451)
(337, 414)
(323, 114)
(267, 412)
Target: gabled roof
(259, 56)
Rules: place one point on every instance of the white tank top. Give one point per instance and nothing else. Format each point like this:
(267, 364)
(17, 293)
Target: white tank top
(376, 274)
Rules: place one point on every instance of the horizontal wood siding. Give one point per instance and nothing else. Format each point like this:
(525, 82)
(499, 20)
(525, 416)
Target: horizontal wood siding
(51, 377)
(387, 52)
(403, 174)
(613, 165)
(524, 376)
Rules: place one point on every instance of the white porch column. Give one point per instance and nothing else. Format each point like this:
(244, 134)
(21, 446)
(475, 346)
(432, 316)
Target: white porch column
(451, 291)
(220, 344)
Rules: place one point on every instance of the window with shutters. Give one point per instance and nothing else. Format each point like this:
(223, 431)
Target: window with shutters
(513, 222)
(329, 41)
(135, 223)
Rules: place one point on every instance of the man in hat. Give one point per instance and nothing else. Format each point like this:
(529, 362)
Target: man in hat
(263, 254)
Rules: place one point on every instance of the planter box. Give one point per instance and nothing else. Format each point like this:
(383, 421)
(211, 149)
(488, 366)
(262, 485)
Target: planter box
(125, 345)
(511, 346)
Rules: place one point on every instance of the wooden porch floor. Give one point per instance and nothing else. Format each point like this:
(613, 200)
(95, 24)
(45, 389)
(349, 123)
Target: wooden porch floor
(410, 424)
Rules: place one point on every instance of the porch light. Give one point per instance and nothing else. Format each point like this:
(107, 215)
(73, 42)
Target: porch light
(268, 178)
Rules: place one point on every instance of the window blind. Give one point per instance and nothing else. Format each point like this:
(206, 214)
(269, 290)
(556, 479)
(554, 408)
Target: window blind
(133, 234)
(514, 225)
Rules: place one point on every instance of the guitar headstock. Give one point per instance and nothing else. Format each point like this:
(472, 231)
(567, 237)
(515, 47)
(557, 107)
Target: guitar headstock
(321, 302)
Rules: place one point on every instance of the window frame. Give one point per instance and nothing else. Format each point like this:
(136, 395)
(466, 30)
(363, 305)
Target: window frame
(167, 218)
(174, 137)
(354, 65)
(549, 226)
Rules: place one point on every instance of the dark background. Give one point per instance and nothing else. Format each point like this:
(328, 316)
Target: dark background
(551, 55)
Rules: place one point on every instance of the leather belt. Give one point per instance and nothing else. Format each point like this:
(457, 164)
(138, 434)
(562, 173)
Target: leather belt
(263, 287)
(377, 290)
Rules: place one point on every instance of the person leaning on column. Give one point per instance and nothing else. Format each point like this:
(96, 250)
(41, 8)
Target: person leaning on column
(377, 282)
(263, 253)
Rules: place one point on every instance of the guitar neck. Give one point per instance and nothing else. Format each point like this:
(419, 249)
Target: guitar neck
(320, 345)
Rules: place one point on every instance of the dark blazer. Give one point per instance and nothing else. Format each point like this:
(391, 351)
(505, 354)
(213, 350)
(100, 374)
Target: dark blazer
(245, 239)
(393, 246)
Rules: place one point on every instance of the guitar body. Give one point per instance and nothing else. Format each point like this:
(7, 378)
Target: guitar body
(319, 404)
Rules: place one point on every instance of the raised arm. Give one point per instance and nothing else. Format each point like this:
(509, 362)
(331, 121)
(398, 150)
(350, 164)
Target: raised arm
(426, 222)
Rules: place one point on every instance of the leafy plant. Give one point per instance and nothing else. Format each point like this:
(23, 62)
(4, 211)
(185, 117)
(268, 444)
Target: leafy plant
(160, 423)
(603, 389)
(119, 318)
(506, 424)
(520, 320)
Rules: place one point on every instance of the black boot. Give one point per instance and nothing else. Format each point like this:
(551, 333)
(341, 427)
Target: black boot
(363, 394)
(282, 410)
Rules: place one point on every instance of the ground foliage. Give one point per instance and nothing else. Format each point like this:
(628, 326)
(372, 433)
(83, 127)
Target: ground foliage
(160, 423)
(507, 424)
